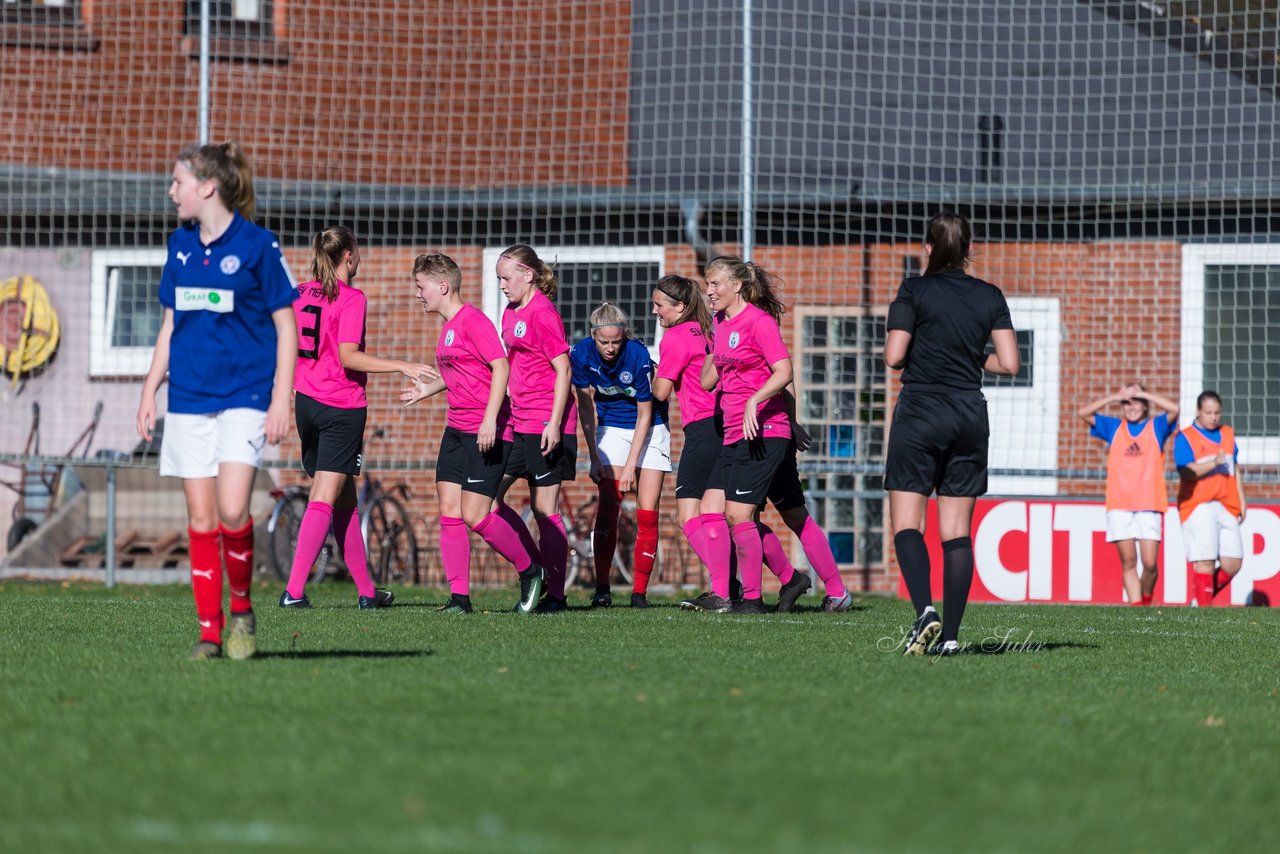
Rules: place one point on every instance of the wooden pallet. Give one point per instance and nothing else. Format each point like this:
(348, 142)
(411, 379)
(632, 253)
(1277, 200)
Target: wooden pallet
(133, 551)
(153, 551)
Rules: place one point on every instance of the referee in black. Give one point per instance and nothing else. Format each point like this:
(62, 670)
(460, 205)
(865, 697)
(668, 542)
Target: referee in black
(938, 330)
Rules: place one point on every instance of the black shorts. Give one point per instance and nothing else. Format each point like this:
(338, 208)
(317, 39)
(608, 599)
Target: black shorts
(702, 443)
(460, 461)
(332, 438)
(527, 461)
(787, 491)
(747, 468)
(938, 441)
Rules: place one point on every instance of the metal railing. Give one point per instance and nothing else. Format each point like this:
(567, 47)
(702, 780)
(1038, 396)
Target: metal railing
(111, 463)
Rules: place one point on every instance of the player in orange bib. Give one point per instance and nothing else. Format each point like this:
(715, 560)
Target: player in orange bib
(1136, 492)
(1210, 498)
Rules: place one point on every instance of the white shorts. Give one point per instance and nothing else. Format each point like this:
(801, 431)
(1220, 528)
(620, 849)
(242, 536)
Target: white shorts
(1211, 532)
(193, 446)
(614, 444)
(1134, 525)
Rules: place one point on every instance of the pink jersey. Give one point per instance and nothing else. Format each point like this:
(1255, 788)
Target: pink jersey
(681, 353)
(322, 326)
(533, 336)
(468, 345)
(745, 347)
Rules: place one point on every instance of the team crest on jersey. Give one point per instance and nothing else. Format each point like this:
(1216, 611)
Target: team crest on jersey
(626, 377)
(520, 329)
(229, 265)
(733, 340)
(448, 338)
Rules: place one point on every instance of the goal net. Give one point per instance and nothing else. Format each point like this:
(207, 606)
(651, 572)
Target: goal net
(1118, 160)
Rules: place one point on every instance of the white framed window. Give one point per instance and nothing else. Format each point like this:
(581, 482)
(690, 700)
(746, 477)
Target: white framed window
(842, 390)
(41, 12)
(1024, 409)
(1231, 341)
(124, 313)
(238, 19)
(588, 276)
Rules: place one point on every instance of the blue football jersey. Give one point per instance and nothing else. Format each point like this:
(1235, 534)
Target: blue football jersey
(618, 386)
(222, 354)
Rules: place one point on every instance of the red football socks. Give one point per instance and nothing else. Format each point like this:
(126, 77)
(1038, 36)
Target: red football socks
(206, 583)
(604, 537)
(646, 549)
(1202, 584)
(237, 552)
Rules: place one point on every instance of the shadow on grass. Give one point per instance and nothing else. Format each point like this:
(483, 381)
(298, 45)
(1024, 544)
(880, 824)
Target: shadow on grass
(346, 653)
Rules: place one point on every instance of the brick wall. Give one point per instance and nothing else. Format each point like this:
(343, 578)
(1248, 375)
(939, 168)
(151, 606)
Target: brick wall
(461, 103)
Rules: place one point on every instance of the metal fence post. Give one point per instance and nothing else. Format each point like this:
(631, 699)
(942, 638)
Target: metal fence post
(109, 546)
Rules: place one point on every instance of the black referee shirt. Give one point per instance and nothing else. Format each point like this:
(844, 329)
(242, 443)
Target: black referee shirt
(950, 316)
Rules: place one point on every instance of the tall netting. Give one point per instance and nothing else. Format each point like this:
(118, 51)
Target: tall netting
(1117, 157)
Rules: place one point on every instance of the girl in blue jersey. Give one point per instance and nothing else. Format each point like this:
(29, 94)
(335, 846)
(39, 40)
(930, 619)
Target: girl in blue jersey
(227, 342)
(627, 439)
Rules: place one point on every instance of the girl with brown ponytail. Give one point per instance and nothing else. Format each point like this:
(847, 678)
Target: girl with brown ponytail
(226, 344)
(331, 409)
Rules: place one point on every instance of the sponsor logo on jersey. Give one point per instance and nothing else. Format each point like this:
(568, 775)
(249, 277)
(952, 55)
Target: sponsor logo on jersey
(449, 338)
(733, 340)
(183, 257)
(616, 390)
(229, 265)
(520, 329)
(204, 299)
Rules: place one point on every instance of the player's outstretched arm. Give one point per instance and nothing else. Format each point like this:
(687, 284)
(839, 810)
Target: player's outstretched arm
(354, 360)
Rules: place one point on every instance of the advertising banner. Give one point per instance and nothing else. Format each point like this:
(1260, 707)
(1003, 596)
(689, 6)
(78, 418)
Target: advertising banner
(1050, 550)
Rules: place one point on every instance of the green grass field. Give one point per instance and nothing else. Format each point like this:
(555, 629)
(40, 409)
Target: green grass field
(1105, 729)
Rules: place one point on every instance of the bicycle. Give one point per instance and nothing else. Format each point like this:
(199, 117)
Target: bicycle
(391, 548)
(388, 533)
(282, 536)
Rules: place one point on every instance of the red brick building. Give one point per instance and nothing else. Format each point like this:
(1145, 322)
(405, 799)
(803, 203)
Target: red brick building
(607, 132)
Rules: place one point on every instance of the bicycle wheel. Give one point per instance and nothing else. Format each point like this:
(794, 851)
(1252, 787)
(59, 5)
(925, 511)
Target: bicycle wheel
(282, 532)
(389, 541)
(282, 538)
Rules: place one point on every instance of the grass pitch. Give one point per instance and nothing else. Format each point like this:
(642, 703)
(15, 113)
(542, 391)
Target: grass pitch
(1069, 729)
